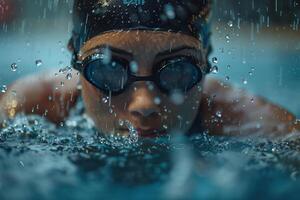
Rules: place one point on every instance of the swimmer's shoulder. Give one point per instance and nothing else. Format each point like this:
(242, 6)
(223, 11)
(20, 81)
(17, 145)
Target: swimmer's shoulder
(50, 94)
(230, 110)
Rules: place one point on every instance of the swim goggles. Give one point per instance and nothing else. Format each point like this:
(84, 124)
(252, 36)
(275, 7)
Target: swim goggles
(114, 76)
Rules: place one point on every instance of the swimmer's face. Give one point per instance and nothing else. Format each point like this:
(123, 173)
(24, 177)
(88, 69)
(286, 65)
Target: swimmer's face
(144, 105)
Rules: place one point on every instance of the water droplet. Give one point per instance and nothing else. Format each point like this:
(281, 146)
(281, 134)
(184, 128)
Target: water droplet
(157, 100)
(169, 10)
(21, 163)
(245, 82)
(3, 88)
(106, 57)
(215, 60)
(121, 122)
(14, 92)
(105, 99)
(79, 87)
(69, 76)
(230, 23)
(199, 88)
(227, 37)
(177, 97)
(60, 63)
(219, 114)
(133, 67)
(150, 86)
(38, 63)
(14, 67)
(295, 175)
(214, 69)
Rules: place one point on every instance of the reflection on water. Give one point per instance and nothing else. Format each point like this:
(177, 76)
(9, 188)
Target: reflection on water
(41, 161)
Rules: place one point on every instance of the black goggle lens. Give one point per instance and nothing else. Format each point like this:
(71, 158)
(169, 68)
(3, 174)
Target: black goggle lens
(110, 76)
(179, 75)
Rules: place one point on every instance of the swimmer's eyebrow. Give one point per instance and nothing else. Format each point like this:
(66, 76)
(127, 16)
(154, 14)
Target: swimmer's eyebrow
(113, 49)
(177, 49)
(160, 54)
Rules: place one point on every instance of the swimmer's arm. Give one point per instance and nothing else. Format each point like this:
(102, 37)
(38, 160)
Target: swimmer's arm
(41, 94)
(243, 113)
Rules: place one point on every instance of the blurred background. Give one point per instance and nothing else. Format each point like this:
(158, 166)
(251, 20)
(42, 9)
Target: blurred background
(256, 43)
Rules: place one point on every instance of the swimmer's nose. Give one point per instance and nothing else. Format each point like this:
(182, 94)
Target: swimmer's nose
(143, 112)
(142, 104)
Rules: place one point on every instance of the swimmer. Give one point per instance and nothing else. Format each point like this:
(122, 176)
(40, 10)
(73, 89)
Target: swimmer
(145, 62)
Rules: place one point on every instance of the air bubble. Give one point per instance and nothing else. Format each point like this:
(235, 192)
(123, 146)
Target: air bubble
(230, 23)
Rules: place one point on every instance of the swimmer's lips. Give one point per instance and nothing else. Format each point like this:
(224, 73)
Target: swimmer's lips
(147, 133)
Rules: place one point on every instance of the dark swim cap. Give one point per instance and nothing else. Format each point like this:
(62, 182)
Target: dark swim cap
(93, 17)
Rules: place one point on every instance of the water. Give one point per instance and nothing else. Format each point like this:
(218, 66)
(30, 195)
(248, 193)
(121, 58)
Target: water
(41, 161)
(74, 161)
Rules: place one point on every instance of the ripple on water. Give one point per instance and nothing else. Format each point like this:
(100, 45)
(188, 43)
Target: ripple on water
(74, 161)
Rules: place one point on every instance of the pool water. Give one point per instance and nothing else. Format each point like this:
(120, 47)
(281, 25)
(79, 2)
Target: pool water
(73, 161)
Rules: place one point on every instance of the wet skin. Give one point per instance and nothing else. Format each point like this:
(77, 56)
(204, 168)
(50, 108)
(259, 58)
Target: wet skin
(239, 113)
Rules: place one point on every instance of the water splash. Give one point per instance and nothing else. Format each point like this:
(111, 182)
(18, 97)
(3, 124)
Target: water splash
(78, 157)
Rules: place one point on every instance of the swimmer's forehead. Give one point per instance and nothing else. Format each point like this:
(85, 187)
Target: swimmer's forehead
(141, 41)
